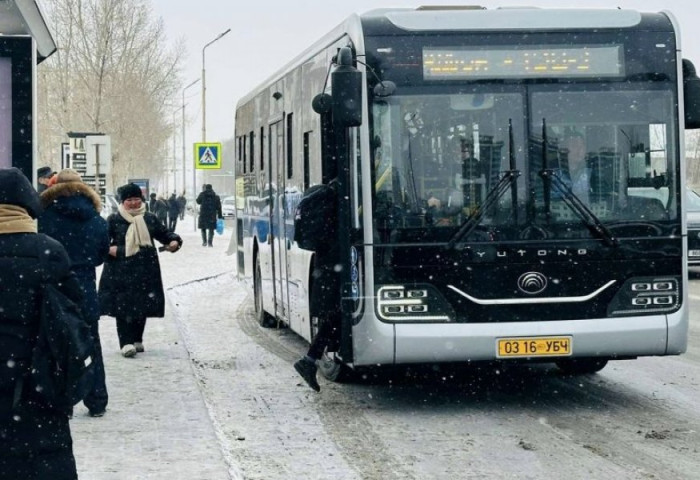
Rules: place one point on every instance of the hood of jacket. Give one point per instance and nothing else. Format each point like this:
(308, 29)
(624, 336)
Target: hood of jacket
(72, 199)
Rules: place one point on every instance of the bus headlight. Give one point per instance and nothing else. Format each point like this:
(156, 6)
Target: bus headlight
(415, 303)
(643, 295)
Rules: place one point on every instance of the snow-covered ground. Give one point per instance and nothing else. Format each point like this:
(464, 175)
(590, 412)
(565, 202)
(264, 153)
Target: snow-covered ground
(635, 420)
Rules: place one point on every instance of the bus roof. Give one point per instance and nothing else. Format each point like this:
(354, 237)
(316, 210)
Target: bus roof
(24, 17)
(507, 18)
(456, 18)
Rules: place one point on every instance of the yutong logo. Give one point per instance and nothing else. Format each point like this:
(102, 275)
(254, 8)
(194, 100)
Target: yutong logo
(538, 253)
(532, 282)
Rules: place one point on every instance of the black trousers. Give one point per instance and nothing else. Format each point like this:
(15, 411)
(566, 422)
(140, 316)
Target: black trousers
(325, 306)
(130, 330)
(96, 399)
(207, 232)
(172, 222)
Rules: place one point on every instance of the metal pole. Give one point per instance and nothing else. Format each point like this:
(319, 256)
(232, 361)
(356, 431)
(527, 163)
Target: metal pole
(174, 154)
(97, 171)
(204, 87)
(204, 98)
(184, 155)
(204, 116)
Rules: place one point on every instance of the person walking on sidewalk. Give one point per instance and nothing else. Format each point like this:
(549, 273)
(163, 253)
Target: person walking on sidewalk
(72, 216)
(152, 203)
(161, 210)
(182, 205)
(173, 212)
(131, 287)
(43, 175)
(209, 211)
(35, 438)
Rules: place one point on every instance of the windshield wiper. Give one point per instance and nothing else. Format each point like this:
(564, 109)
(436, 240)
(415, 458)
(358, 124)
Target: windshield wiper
(579, 208)
(552, 179)
(494, 194)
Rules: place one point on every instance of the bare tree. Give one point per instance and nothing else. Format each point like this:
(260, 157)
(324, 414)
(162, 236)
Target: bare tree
(114, 73)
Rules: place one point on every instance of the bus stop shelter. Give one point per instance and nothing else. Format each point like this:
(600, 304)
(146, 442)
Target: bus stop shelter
(25, 41)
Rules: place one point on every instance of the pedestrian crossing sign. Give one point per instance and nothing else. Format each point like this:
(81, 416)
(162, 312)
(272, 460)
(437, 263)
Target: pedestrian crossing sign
(207, 156)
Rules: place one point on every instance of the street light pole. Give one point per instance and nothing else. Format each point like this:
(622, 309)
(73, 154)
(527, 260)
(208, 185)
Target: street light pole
(204, 87)
(184, 155)
(175, 152)
(204, 112)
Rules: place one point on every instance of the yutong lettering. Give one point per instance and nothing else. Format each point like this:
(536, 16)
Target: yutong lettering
(578, 252)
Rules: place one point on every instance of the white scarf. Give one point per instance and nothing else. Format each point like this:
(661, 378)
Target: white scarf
(137, 235)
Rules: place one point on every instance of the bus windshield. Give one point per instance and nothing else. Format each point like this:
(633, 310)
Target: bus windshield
(437, 157)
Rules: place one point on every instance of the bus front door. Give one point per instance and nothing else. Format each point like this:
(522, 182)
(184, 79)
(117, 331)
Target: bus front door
(279, 239)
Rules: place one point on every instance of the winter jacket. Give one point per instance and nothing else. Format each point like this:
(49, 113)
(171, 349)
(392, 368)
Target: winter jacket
(35, 440)
(132, 286)
(182, 203)
(71, 216)
(173, 206)
(209, 210)
(161, 210)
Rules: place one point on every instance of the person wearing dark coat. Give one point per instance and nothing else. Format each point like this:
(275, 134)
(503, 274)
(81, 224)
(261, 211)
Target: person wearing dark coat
(182, 205)
(152, 203)
(161, 210)
(72, 216)
(209, 210)
(35, 439)
(43, 175)
(173, 212)
(131, 287)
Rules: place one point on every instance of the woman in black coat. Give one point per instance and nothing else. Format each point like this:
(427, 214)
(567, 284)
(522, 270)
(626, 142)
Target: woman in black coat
(131, 287)
(35, 439)
(209, 210)
(72, 216)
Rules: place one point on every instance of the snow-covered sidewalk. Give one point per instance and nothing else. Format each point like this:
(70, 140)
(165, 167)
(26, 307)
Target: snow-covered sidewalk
(157, 425)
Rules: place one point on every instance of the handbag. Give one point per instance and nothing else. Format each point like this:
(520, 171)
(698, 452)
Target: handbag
(220, 226)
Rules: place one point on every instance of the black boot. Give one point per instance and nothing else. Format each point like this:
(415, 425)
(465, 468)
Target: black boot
(307, 369)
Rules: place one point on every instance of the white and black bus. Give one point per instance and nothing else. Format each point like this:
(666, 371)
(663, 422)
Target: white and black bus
(465, 234)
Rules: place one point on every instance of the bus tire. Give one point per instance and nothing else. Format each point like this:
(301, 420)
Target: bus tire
(333, 370)
(264, 319)
(581, 366)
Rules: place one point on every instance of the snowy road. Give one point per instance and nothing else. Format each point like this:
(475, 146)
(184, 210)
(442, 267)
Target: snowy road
(635, 420)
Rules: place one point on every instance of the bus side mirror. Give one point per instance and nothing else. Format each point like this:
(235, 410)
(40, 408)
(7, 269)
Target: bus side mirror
(346, 90)
(691, 95)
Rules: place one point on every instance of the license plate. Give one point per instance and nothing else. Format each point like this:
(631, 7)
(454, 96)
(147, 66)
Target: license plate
(694, 253)
(534, 347)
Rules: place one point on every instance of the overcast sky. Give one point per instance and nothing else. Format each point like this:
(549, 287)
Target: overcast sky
(266, 34)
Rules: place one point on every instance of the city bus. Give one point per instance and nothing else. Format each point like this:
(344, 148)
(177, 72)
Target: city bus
(468, 230)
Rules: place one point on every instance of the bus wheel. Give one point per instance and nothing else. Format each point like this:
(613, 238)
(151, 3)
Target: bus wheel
(581, 366)
(264, 319)
(333, 370)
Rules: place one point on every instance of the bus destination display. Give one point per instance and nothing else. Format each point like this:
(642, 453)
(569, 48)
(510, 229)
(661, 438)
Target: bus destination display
(465, 63)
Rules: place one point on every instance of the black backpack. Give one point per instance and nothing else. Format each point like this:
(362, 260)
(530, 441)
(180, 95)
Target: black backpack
(61, 368)
(316, 217)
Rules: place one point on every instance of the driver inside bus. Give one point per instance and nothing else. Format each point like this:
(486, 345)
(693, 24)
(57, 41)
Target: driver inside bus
(463, 193)
(578, 175)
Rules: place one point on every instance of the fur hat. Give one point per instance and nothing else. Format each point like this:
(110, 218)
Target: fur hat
(130, 190)
(68, 175)
(15, 189)
(44, 172)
